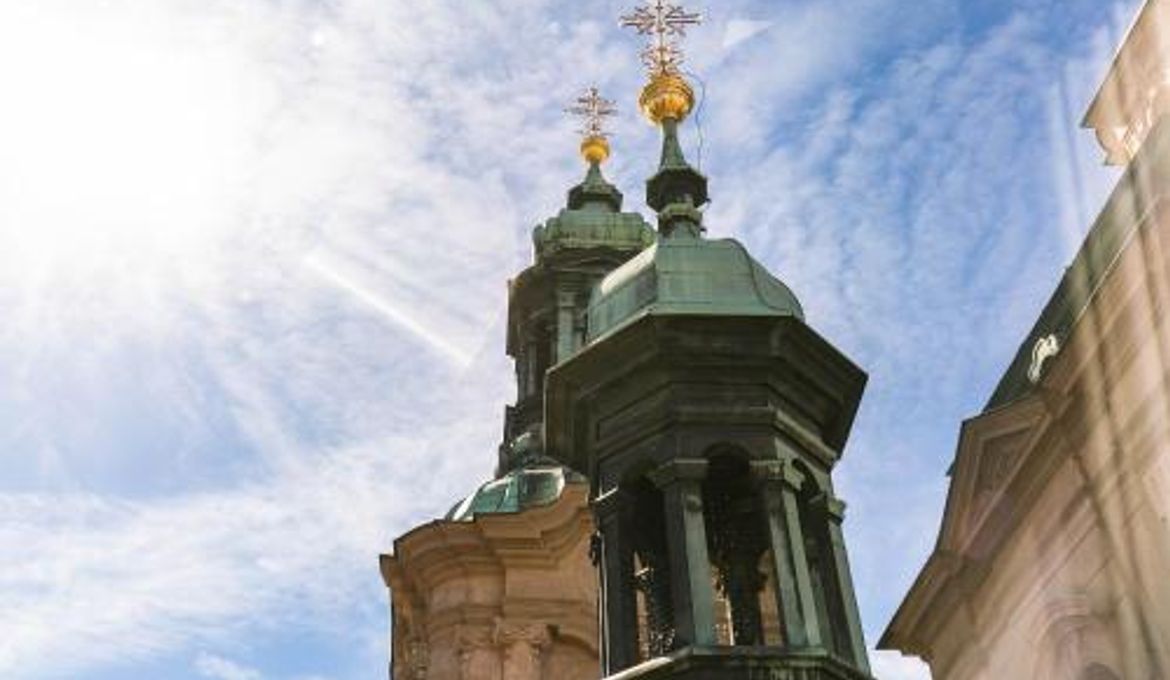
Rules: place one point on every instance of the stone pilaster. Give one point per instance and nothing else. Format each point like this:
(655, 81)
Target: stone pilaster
(531, 370)
(478, 657)
(522, 645)
(566, 336)
(619, 635)
(779, 485)
(834, 510)
(690, 568)
(418, 659)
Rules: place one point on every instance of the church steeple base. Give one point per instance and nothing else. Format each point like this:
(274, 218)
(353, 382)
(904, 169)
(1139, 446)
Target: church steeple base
(742, 663)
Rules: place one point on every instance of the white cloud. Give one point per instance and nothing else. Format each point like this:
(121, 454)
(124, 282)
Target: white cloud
(893, 666)
(219, 668)
(739, 30)
(338, 433)
(102, 581)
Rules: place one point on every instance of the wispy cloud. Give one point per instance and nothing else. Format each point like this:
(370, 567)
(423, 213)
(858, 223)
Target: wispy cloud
(103, 581)
(739, 30)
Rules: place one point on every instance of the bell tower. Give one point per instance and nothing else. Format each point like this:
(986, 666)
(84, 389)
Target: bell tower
(547, 301)
(502, 587)
(708, 417)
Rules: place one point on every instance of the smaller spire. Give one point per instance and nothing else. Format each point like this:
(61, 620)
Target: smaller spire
(593, 110)
(594, 191)
(677, 190)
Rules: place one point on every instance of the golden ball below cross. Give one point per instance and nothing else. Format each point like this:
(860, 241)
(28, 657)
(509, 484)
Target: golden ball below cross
(667, 95)
(594, 149)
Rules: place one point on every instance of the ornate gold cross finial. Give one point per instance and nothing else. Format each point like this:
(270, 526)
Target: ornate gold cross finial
(667, 96)
(593, 110)
(663, 23)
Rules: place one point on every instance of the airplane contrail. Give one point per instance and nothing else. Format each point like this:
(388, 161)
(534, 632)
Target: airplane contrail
(395, 314)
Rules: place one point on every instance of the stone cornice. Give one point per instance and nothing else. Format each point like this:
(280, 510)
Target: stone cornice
(663, 355)
(1136, 91)
(509, 633)
(538, 537)
(679, 469)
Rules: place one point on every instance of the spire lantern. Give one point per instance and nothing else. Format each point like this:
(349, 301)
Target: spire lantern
(594, 192)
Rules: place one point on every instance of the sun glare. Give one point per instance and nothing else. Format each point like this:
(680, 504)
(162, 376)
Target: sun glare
(125, 140)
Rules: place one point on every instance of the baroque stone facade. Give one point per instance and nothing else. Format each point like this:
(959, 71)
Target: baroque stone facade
(1054, 550)
(504, 595)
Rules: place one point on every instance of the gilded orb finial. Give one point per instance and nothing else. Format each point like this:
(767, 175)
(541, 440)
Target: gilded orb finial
(667, 95)
(593, 110)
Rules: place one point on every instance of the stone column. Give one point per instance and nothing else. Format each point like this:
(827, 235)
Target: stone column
(566, 340)
(619, 633)
(690, 568)
(779, 485)
(522, 645)
(835, 514)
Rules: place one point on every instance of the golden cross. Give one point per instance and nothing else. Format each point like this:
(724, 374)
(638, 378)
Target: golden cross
(663, 23)
(593, 109)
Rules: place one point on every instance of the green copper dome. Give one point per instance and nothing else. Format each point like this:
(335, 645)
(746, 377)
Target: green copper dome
(688, 275)
(518, 490)
(592, 219)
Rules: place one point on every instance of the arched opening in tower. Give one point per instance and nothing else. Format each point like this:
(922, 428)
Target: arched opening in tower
(652, 578)
(739, 551)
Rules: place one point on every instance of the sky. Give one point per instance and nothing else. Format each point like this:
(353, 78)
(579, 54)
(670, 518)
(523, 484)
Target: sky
(253, 257)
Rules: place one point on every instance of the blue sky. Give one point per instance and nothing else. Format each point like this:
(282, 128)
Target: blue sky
(252, 266)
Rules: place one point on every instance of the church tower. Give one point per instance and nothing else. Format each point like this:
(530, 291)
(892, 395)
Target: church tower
(663, 505)
(708, 417)
(502, 586)
(547, 301)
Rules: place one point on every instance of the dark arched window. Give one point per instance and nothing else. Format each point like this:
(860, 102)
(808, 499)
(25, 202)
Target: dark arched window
(737, 539)
(656, 634)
